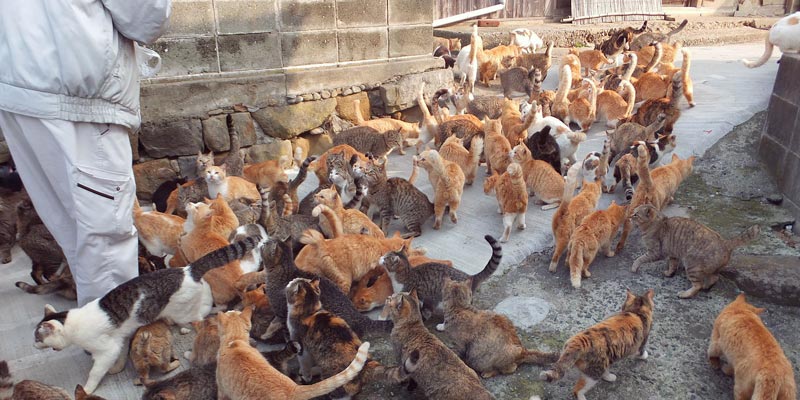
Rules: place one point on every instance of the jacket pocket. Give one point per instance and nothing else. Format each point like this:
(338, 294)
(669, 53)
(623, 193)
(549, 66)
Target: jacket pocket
(104, 202)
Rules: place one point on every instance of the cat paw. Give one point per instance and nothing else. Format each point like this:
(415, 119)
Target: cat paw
(686, 294)
(185, 330)
(669, 274)
(553, 266)
(609, 377)
(172, 365)
(187, 355)
(6, 260)
(453, 218)
(611, 253)
(437, 225)
(522, 227)
(440, 327)
(643, 356)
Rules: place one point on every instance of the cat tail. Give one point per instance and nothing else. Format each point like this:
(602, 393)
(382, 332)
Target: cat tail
(491, 266)
(678, 29)
(768, 386)
(528, 356)
(576, 262)
(137, 209)
(305, 392)
(570, 185)
(764, 57)
(476, 149)
(745, 237)
(643, 164)
(359, 117)
(301, 173)
(311, 236)
(576, 137)
(356, 197)
(333, 219)
(6, 381)
(224, 255)
(570, 355)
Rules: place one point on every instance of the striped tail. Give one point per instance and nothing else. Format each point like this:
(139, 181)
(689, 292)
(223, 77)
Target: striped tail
(301, 174)
(360, 189)
(6, 382)
(359, 117)
(222, 256)
(491, 266)
(537, 357)
(745, 237)
(564, 363)
(328, 385)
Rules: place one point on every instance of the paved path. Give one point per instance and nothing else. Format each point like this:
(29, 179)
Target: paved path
(726, 92)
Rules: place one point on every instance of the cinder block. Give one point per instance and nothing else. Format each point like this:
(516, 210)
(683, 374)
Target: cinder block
(363, 44)
(787, 86)
(249, 51)
(304, 15)
(303, 48)
(781, 119)
(186, 56)
(360, 13)
(246, 16)
(405, 12)
(772, 154)
(410, 40)
(190, 17)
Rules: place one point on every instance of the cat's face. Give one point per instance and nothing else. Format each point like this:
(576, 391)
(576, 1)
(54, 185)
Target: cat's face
(327, 197)
(303, 294)
(426, 159)
(401, 306)
(394, 139)
(639, 303)
(49, 332)
(204, 161)
(372, 171)
(337, 169)
(393, 261)
(644, 214)
(215, 174)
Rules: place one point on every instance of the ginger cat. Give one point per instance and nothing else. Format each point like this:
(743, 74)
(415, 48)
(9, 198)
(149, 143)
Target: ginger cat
(611, 107)
(595, 349)
(158, 232)
(496, 147)
(655, 85)
(352, 220)
(574, 64)
(230, 187)
(510, 115)
(372, 290)
(408, 130)
(560, 106)
(223, 219)
(429, 126)
(541, 179)
(583, 111)
(489, 61)
(206, 342)
(266, 173)
(244, 374)
(591, 60)
(151, 346)
(594, 234)
(572, 211)
(447, 180)
(453, 150)
(344, 259)
(512, 197)
(751, 354)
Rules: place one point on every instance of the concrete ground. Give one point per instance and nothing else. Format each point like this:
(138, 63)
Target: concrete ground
(545, 308)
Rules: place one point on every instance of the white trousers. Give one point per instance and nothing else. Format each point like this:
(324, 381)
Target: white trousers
(80, 179)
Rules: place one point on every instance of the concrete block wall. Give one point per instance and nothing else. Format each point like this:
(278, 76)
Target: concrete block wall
(780, 141)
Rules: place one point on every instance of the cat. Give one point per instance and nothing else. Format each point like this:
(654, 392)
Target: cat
(541, 180)
(427, 279)
(161, 194)
(372, 290)
(646, 38)
(468, 160)
(321, 166)
(594, 234)
(234, 163)
(464, 127)
(684, 241)
(489, 61)
(346, 258)
(568, 144)
(583, 111)
(152, 347)
(625, 169)
(451, 44)
(230, 187)
(243, 373)
(611, 107)
(541, 61)
(206, 342)
(326, 340)
(80, 394)
(560, 105)
(512, 197)
(527, 40)
(262, 311)
(574, 63)
(571, 212)
(620, 40)
(195, 383)
(27, 389)
(517, 80)
(496, 147)
(285, 227)
(544, 147)
(783, 34)
(751, 353)
(655, 85)
(424, 359)
(540, 121)
(591, 60)
(103, 326)
(613, 80)
(189, 192)
(487, 341)
(396, 196)
(352, 220)
(266, 173)
(158, 232)
(648, 53)
(282, 188)
(519, 132)
(595, 349)
(650, 110)
(447, 180)
(656, 187)
(367, 139)
(200, 236)
(628, 133)
(408, 130)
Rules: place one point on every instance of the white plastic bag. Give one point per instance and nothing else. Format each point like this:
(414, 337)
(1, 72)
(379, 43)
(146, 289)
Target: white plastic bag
(148, 60)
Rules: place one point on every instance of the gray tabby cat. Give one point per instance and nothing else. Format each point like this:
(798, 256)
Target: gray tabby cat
(234, 164)
(369, 140)
(104, 326)
(285, 227)
(195, 383)
(517, 80)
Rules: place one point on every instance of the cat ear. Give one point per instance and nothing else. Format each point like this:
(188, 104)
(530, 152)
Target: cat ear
(759, 310)
(49, 310)
(224, 167)
(80, 393)
(247, 313)
(315, 283)
(629, 296)
(413, 295)
(650, 294)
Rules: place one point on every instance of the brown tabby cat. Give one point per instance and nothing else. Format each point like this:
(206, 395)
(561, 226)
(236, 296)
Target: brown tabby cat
(487, 340)
(571, 212)
(158, 232)
(28, 389)
(517, 80)
(285, 227)
(151, 346)
(190, 192)
(540, 61)
(408, 130)
(496, 147)
(206, 342)
(684, 241)
(541, 179)
(244, 374)
(233, 162)
(230, 187)
(352, 220)
(366, 139)
(594, 234)
(321, 166)
(453, 150)
(372, 290)
(195, 383)
(512, 197)
(761, 368)
(465, 127)
(447, 180)
(593, 350)
(630, 132)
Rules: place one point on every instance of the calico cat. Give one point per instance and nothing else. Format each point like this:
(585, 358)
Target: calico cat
(195, 383)
(453, 150)
(783, 34)
(234, 163)
(366, 139)
(346, 258)
(396, 196)
(487, 341)
(571, 212)
(352, 220)
(594, 234)
(327, 341)
(595, 349)
(496, 147)
(230, 187)
(266, 173)
(544, 147)
(512, 197)
(650, 110)
(372, 290)
(28, 389)
(684, 241)
(244, 374)
(447, 180)
(427, 279)
(152, 347)
(103, 326)
(761, 368)
(158, 232)
(424, 359)
(541, 180)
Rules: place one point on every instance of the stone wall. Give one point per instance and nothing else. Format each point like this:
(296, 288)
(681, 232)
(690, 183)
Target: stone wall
(780, 140)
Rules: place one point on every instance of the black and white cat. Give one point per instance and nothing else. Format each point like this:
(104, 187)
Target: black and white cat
(104, 326)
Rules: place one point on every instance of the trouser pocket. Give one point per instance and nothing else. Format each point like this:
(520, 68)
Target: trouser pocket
(104, 202)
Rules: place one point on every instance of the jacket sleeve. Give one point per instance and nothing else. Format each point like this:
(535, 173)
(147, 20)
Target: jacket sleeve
(142, 21)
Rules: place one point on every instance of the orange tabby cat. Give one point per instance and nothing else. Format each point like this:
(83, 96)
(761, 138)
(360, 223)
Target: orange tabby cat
(571, 212)
(206, 342)
(591, 60)
(158, 232)
(496, 147)
(583, 111)
(512, 196)
(352, 220)
(223, 220)
(560, 106)
(752, 355)
(489, 61)
(447, 180)
(510, 115)
(372, 290)
(266, 173)
(541, 178)
(244, 374)
(344, 259)
(574, 64)
(453, 150)
(230, 187)
(611, 107)
(594, 234)
(408, 130)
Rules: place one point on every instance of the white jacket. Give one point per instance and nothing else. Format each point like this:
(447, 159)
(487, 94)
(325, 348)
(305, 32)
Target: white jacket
(74, 59)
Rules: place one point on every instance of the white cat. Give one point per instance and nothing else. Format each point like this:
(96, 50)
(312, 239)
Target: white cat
(557, 126)
(785, 34)
(526, 39)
